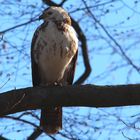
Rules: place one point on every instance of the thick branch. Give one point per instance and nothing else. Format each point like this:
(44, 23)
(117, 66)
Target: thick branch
(83, 40)
(85, 95)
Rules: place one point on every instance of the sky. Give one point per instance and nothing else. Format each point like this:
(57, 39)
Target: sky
(108, 67)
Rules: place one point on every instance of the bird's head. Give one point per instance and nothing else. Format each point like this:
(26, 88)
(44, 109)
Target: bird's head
(56, 14)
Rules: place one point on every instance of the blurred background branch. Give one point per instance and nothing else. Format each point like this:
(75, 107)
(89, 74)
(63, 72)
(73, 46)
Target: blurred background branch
(108, 33)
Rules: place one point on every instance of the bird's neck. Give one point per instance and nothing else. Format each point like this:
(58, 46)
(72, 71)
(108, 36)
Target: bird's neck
(61, 25)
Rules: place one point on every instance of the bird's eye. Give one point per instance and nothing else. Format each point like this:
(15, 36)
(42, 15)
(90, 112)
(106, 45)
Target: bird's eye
(49, 13)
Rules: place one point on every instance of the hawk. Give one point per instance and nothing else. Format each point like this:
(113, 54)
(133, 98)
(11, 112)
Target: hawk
(54, 52)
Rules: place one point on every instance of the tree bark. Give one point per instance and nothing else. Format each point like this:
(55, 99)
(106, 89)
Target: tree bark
(66, 96)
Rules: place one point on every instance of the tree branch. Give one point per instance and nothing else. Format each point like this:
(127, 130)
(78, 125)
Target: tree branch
(83, 40)
(19, 25)
(129, 61)
(85, 95)
(37, 132)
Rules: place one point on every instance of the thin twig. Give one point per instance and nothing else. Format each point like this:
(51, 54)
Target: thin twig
(113, 39)
(22, 120)
(11, 28)
(5, 83)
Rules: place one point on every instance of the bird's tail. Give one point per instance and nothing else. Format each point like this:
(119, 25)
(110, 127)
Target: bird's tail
(51, 119)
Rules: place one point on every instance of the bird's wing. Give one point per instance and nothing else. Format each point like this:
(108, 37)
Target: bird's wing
(34, 66)
(70, 71)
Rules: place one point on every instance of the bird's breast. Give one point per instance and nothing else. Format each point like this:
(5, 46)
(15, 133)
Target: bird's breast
(55, 50)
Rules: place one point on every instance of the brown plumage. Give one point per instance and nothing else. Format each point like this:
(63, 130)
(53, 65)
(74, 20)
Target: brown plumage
(53, 55)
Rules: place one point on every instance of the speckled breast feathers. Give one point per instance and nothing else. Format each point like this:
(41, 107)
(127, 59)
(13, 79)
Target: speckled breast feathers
(55, 46)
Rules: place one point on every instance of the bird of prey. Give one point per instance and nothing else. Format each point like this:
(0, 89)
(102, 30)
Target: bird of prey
(54, 51)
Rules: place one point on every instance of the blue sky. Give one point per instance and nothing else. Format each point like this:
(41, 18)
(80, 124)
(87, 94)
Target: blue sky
(108, 67)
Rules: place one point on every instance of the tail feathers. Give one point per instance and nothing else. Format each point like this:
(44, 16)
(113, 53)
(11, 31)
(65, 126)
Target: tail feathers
(51, 119)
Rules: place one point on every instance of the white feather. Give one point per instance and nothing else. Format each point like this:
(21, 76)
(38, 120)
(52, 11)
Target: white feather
(56, 51)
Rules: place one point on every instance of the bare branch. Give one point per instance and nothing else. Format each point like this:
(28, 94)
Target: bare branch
(92, 6)
(129, 61)
(22, 120)
(16, 26)
(50, 3)
(37, 132)
(85, 95)
(83, 40)
(63, 1)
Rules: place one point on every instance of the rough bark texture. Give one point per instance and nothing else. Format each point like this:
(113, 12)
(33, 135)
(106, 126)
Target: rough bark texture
(84, 95)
